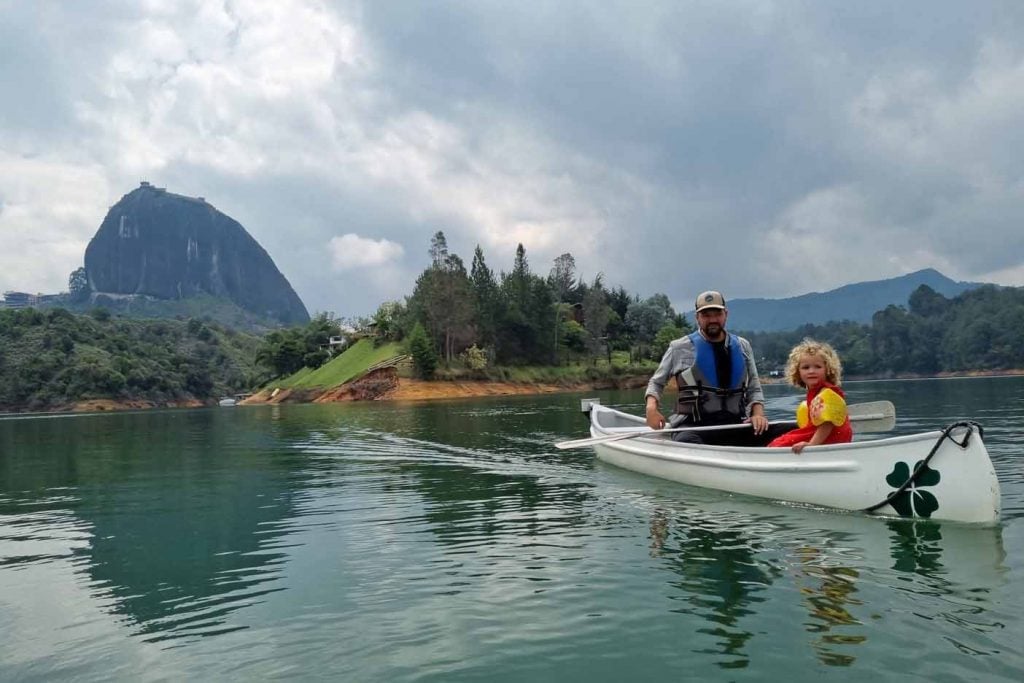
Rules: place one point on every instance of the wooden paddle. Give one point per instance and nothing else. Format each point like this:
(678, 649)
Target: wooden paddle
(876, 416)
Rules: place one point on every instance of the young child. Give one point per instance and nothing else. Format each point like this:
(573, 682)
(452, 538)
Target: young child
(822, 416)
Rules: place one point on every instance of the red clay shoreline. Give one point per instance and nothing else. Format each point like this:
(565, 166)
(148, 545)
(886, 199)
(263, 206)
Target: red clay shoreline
(375, 387)
(386, 385)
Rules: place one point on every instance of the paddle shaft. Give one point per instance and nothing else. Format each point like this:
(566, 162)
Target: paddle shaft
(881, 414)
(579, 443)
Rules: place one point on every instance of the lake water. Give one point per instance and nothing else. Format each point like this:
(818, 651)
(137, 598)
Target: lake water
(449, 541)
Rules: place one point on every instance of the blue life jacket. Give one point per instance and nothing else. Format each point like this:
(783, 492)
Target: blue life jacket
(701, 400)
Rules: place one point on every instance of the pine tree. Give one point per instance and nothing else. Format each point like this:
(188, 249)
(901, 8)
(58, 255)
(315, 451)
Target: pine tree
(424, 358)
(486, 300)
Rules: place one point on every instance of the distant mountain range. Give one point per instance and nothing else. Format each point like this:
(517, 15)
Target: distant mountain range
(856, 302)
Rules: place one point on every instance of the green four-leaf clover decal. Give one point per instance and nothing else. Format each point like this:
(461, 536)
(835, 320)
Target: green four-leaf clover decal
(913, 502)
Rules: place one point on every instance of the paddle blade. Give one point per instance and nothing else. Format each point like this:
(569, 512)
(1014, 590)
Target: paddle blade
(874, 416)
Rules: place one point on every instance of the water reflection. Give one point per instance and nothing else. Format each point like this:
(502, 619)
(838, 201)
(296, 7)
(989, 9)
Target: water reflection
(962, 565)
(719, 576)
(725, 554)
(829, 593)
(176, 518)
(474, 501)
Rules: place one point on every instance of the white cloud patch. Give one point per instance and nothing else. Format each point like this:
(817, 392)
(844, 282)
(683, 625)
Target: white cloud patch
(834, 236)
(48, 207)
(350, 251)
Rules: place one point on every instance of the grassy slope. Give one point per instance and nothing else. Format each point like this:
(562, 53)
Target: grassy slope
(361, 355)
(348, 365)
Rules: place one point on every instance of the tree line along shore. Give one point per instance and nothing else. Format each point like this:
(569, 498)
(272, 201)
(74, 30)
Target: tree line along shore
(476, 322)
(463, 334)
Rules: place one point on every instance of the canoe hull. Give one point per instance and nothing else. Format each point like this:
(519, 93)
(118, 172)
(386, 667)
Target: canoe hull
(960, 486)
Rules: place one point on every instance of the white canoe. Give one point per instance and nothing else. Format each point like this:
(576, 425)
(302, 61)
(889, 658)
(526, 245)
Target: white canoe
(957, 484)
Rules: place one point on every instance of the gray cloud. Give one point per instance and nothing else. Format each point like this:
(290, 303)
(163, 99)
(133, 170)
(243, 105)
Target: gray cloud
(767, 149)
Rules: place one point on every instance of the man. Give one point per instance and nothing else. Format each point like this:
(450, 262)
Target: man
(717, 380)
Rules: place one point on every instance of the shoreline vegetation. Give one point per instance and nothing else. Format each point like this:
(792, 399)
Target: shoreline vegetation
(387, 385)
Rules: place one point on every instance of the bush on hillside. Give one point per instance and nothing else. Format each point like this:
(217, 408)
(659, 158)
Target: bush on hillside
(474, 358)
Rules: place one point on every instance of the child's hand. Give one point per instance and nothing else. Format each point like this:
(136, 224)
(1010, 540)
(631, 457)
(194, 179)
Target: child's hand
(799, 446)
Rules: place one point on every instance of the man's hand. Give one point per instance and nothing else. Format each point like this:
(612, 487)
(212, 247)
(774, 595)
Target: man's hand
(759, 423)
(655, 420)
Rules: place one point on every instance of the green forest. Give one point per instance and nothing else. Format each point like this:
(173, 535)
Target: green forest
(979, 330)
(52, 358)
(480, 318)
(478, 322)
(520, 318)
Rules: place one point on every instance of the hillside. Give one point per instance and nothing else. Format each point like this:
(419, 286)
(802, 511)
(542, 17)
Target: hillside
(201, 306)
(352, 363)
(856, 302)
(980, 330)
(56, 360)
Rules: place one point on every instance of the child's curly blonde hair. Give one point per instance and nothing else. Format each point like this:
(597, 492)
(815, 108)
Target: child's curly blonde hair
(810, 347)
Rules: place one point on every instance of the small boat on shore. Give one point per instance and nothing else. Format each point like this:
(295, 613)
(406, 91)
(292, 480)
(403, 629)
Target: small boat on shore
(227, 402)
(939, 475)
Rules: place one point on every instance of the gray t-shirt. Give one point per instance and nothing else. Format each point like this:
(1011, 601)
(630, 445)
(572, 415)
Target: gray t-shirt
(681, 355)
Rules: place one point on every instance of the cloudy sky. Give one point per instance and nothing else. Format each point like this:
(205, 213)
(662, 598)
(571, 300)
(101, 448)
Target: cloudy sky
(761, 148)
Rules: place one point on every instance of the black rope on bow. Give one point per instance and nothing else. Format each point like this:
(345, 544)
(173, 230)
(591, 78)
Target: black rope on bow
(946, 434)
